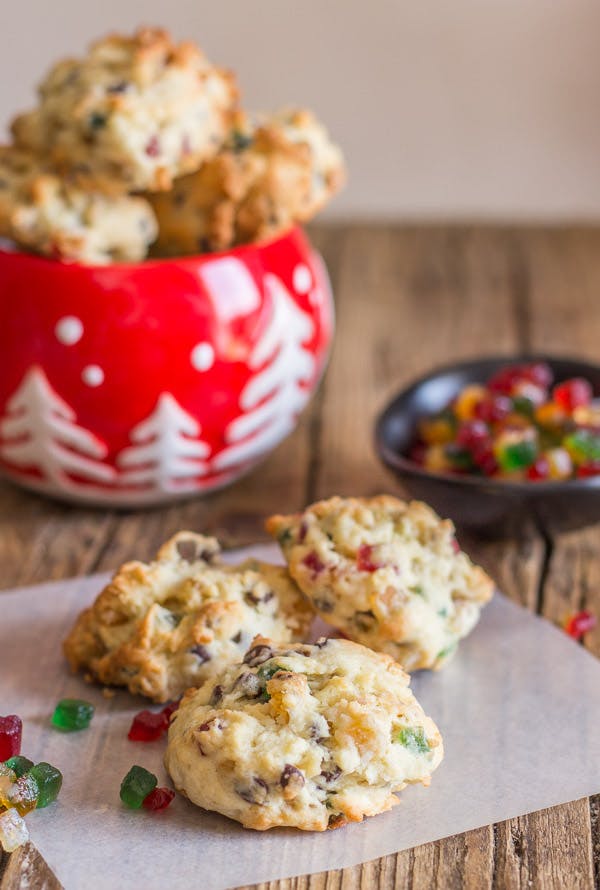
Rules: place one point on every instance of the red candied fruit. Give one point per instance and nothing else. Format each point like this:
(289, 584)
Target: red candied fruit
(486, 460)
(580, 623)
(539, 373)
(148, 726)
(472, 433)
(493, 409)
(455, 545)
(364, 559)
(573, 393)
(591, 468)
(158, 799)
(504, 380)
(11, 730)
(539, 469)
(417, 453)
(312, 562)
(170, 709)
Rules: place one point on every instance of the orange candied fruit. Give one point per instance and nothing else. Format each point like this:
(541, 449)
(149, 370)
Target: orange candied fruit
(466, 402)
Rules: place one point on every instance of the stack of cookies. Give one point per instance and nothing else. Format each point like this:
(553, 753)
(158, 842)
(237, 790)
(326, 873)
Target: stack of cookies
(140, 147)
(272, 730)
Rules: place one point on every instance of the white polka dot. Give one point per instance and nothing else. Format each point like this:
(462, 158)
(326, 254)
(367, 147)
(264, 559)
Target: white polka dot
(93, 375)
(203, 356)
(315, 297)
(69, 330)
(302, 279)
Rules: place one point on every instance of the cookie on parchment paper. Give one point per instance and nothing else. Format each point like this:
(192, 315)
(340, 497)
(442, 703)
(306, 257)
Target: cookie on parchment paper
(162, 627)
(304, 736)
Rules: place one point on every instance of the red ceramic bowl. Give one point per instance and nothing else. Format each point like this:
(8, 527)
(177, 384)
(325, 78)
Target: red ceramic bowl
(137, 384)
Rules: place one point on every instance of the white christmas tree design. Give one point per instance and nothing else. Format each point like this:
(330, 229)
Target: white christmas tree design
(40, 433)
(167, 455)
(276, 394)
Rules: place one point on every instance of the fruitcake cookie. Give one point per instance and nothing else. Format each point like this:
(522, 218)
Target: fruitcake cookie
(304, 736)
(134, 113)
(387, 573)
(46, 213)
(161, 628)
(269, 176)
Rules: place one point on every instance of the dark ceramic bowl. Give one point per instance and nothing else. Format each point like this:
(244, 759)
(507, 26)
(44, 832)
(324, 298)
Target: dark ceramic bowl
(490, 506)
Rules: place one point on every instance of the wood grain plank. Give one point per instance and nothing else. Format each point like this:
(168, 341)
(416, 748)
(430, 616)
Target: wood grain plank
(408, 298)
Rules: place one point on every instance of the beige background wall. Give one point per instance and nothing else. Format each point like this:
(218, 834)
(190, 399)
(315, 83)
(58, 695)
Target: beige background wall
(469, 108)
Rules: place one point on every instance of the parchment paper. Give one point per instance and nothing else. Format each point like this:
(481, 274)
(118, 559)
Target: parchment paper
(519, 709)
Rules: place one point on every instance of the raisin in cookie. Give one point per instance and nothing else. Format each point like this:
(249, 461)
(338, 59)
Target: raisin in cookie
(387, 573)
(161, 628)
(133, 113)
(304, 736)
(46, 213)
(270, 175)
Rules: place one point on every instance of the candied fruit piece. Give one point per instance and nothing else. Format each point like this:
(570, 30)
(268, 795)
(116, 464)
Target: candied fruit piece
(435, 459)
(11, 730)
(573, 393)
(158, 799)
(13, 831)
(20, 795)
(170, 709)
(19, 765)
(312, 562)
(467, 400)
(539, 469)
(560, 464)
(148, 726)
(504, 380)
(493, 409)
(49, 780)
(590, 468)
(459, 458)
(580, 623)
(515, 451)
(539, 373)
(137, 784)
(550, 415)
(438, 429)
(364, 559)
(472, 433)
(413, 738)
(583, 446)
(72, 714)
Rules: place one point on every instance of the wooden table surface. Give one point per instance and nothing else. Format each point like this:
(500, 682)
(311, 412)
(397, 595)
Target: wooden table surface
(407, 298)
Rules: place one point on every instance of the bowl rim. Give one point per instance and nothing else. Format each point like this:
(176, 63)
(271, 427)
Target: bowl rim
(529, 487)
(239, 251)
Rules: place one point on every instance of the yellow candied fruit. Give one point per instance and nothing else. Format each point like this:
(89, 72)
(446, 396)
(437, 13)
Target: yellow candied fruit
(511, 475)
(587, 415)
(520, 421)
(435, 458)
(550, 415)
(469, 398)
(435, 430)
(559, 463)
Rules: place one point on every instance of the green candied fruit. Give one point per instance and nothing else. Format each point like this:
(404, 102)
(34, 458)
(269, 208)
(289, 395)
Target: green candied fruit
(49, 781)
(413, 739)
(460, 458)
(265, 672)
(517, 455)
(72, 714)
(19, 765)
(583, 446)
(285, 537)
(523, 405)
(137, 784)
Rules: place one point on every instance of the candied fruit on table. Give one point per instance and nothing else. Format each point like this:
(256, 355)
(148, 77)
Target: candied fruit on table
(21, 795)
(147, 726)
(158, 799)
(72, 714)
(19, 765)
(11, 731)
(49, 781)
(136, 786)
(13, 831)
(518, 426)
(580, 623)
